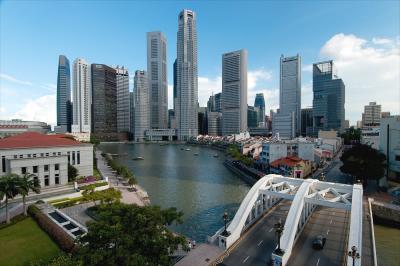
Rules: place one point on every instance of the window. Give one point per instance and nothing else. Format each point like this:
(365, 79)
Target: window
(34, 155)
(46, 180)
(21, 156)
(15, 156)
(59, 153)
(69, 157)
(73, 158)
(78, 157)
(42, 154)
(397, 157)
(3, 163)
(54, 153)
(35, 169)
(46, 168)
(57, 166)
(47, 154)
(57, 179)
(29, 155)
(23, 170)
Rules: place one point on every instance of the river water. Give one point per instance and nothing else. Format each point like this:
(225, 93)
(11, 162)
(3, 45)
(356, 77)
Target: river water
(203, 188)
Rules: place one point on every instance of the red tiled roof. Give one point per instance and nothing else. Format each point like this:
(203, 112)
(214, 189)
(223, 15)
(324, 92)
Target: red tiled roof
(289, 161)
(36, 140)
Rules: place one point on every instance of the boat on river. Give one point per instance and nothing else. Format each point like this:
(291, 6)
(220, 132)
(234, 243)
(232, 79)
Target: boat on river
(187, 149)
(137, 158)
(196, 154)
(216, 155)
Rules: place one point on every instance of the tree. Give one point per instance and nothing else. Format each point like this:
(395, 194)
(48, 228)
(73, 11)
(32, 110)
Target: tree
(130, 235)
(352, 136)
(27, 182)
(72, 173)
(9, 188)
(363, 163)
(132, 181)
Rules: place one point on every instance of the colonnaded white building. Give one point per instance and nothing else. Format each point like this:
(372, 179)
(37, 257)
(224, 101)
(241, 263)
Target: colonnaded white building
(45, 156)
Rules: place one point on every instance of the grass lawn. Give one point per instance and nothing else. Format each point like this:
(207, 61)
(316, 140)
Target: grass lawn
(24, 242)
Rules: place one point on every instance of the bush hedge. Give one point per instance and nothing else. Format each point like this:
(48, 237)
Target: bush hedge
(100, 184)
(14, 220)
(68, 202)
(63, 240)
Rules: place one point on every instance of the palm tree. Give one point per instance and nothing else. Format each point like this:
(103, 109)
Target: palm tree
(9, 188)
(27, 182)
(132, 181)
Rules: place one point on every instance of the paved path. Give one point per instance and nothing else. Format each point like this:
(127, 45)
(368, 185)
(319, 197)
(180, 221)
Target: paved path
(77, 212)
(202, 255)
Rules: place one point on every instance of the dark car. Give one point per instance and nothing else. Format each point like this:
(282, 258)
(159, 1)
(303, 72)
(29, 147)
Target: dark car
(319, 242)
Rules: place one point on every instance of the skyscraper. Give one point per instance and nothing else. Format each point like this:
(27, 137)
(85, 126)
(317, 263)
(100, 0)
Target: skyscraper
(260, 103)
(234, 92)
(64, 108)
(157, 74)
(218, 98)
(142, 108)
(186, 76)
(104, 102)
(253, 114)
(132, 114)
(306, 122)
(123, 103)
(372, 115)
(328, 99)
(211, 104)
(82, 97)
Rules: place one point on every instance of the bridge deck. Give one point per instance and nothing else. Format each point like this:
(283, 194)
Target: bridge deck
(367, 258)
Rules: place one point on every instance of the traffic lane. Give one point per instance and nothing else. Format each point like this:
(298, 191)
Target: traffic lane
(330, 223)
(256, 247)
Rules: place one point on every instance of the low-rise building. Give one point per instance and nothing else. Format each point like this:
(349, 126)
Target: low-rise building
(370, 136)
(45, 156)
(18, 126)
(161, 134)
(291, 166)
(389, 143)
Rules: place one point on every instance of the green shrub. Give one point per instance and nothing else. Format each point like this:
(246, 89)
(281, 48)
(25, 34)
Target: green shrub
(101, 184)
(14, 220)
(58, 200)
(68, 203)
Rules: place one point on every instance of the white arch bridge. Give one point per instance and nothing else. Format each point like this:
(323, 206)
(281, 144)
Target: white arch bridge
(306, 195)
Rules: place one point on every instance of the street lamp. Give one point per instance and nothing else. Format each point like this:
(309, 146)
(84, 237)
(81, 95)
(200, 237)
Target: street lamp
(354, 254)
(225, 217)
(278, 230)
(322, 177)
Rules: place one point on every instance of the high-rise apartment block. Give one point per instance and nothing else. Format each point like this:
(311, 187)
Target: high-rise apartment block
(142, 108)
(234, 92)
(329, 98)
(123, 100)
(157, 74)
(64, 105)
(186, 76)
(371, 115)
(82, 97)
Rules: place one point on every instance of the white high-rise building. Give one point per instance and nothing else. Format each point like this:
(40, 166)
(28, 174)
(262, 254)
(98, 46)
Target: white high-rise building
(186, 76)
(157, 74)
(234, 92)
(123, 105)
(372, 115)
(142, 108)
(82, 97)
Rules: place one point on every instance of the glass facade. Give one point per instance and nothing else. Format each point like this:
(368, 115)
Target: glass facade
(64, 107)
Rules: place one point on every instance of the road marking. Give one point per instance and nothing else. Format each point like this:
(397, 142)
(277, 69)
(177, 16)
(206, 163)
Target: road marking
(330, 222)
(327, 232)
(270, 230)
(317, 261)
(246, 259)
(259, 243)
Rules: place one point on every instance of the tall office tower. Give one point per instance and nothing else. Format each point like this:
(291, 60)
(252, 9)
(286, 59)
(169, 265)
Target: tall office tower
(123, 103)
(211, 104)
(203, 121)
(306, 121)
(104, 102)
(290, 89)
(260, 103)
(253, 114)
(157, 74)
(328, 99)
(175, 86)
(131, 114)
(142, 108)
(82, 97)
(214, 123)
(218, 98)
(171, 118)
(234, 92)
(372, 115)
(186, 76)
(64, 112)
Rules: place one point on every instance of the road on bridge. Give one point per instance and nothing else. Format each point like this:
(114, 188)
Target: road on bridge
(330, 223)
(260, 241)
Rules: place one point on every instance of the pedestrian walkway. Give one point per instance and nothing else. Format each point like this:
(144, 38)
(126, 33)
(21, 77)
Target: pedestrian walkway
(202, 255)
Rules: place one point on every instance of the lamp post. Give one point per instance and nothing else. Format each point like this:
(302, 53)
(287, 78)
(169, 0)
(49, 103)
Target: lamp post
(225, 217)
(354, 254)
(322, 177)
(278, 230)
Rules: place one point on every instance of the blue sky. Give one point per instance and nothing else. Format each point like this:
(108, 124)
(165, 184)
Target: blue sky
(361, 37)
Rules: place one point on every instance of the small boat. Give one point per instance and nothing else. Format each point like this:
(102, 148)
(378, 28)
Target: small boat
(138, 158)
(216, 155)
(187, 149)
(196, 154)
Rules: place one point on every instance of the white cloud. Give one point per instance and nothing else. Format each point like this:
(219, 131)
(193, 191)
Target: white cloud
(370, 70)
(13, 79)
(39, 109)
(256, 75)
(307, 68)
(50, 87)
(208, 86)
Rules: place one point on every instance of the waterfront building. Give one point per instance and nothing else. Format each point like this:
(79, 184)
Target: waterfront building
(202, 119)
(171, 118)
(45, 156)
(142, 107)
(157, 74)
(175, 86)
(260, 103)
(82, 96)
(165, 134)
(64, 105)
(291, 166)
(104, 102)
(290, 92)
(123, 100)
(132, 114)
(307, 121)
(372, 115)
(253, 116)
(186, 76)
(17, 126)
(214, 123)
(328, 99)
(234, 92)
(389, 143)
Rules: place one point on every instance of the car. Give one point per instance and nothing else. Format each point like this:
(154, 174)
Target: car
(319, 242)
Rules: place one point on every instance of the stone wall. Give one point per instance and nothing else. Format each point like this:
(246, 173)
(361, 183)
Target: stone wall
(385, 213)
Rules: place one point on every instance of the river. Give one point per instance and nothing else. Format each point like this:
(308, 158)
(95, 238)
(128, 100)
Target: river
(203, 188)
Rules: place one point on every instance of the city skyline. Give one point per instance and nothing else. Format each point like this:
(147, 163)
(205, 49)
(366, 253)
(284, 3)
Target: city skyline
(357, 53)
